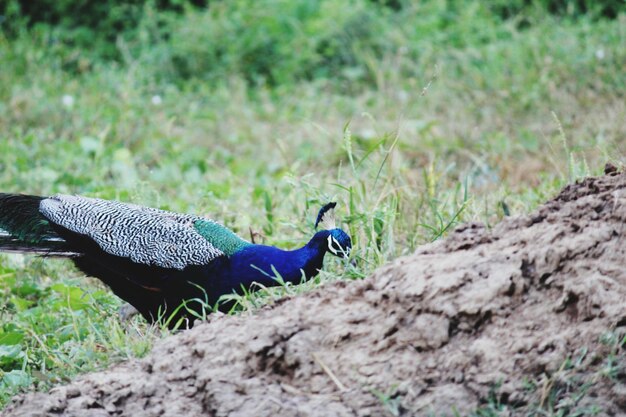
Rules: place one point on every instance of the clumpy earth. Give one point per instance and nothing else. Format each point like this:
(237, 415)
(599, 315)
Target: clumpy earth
(481, 318)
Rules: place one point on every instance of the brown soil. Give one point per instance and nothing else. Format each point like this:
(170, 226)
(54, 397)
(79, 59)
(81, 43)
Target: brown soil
(432, 331)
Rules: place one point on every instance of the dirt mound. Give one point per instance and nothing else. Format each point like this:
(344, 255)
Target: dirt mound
(478, 313)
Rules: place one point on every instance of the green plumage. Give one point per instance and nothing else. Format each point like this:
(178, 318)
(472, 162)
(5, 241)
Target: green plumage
(220, 237)
(21, 218)
(24, 229)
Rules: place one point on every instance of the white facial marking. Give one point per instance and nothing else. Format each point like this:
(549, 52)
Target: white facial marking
(330, 245)
(345, 252)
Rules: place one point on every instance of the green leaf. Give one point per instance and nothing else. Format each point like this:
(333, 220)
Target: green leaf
(20, 304)
(11, 338)
(73, 297)
(15, 379)
(7, 276)
(10, 354)
(27, 289)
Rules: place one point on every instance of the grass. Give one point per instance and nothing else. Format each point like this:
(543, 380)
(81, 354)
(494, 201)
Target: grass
(436, 125)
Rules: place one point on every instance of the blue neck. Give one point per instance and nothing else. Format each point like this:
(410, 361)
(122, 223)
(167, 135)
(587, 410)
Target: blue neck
(258, 262)
(262, 264)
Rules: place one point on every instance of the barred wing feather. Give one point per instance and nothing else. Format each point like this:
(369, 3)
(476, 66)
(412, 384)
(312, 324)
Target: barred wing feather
(142, 234)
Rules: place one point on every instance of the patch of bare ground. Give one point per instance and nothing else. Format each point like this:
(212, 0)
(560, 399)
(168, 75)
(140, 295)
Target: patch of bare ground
(429, 333)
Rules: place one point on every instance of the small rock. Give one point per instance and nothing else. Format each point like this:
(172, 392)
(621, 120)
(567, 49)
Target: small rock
(609, 168)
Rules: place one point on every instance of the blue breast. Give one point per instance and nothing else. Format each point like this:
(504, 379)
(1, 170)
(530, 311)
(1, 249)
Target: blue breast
(261, 264)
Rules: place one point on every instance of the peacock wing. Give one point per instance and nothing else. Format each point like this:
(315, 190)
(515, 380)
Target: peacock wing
(144, 235)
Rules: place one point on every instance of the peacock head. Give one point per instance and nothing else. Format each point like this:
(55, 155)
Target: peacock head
(337, 241)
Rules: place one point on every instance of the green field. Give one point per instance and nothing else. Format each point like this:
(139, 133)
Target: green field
(413, 116)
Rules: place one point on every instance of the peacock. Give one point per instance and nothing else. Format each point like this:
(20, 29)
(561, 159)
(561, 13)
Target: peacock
(159, 261)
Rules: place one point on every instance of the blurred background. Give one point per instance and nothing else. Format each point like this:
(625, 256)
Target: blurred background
(413, 115)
